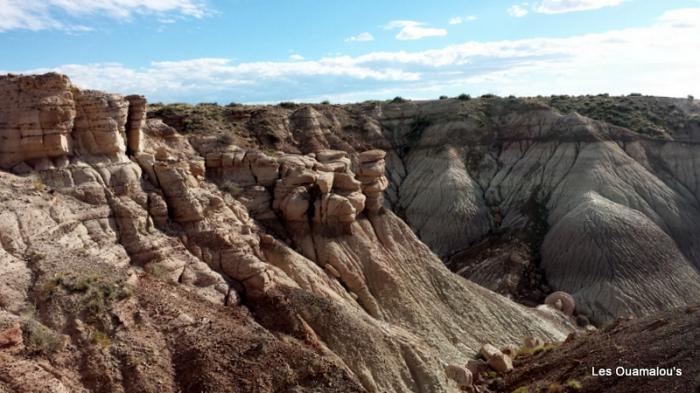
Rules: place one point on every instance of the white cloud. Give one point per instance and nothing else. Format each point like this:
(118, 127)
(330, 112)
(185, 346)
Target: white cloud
(362, 37)
(562, 6)
(52, 14)
(516, 11)
(652, 60)
(412, 30)
(296, 57)
(459, 20)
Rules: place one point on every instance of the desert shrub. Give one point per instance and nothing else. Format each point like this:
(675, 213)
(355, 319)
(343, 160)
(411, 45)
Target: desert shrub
(525, 351)
(418, 126)
(573, 384)
(99, 292)
(464, 97)
(489, 95)
(444, 97)
(325, 102)
(691, 98)
(36, 257)
(288, 105)
(39, 339)
(100, 338)
(522, 389)
(157, 270)
(135, 360)
(635, 94)
(38, 184)
(224, 140)
(232, 188)
(398, 100)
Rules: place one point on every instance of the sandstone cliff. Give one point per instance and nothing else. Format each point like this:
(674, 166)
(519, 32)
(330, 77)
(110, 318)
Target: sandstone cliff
(135, 258)
(523, 196)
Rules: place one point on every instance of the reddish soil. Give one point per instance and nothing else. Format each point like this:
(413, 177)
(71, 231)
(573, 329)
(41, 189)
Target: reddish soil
(668, 340)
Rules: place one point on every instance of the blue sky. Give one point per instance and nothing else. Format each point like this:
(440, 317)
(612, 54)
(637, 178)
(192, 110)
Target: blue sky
(343, 51)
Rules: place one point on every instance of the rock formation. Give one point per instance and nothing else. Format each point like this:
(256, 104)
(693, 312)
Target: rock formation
(191, 258)
(526, 196)
(188, 261)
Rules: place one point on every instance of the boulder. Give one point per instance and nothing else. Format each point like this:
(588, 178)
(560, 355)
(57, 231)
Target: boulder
(459, 374)
(532, 342)
(371, 156)
(561, 301)
(11, 336)
(496, 359)
(476, 367)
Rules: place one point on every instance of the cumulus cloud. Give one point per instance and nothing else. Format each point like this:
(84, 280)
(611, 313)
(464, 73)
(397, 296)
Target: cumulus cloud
(653, 60)
(51, 14)
(562, 6)
(362, 37)
(296, 57)
(412, 30)
(459, 20)
(516, 11)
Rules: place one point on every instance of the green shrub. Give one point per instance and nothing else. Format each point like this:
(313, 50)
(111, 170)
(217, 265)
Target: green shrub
(288, 105)
(39, 339)
(573, 384)
(522, 389)
(444, 97)
(100, 338)
(99, 293)
(135, 360)
(464, 97)
(38, 183)
(325, 102)
(157, 270)
(398, 100)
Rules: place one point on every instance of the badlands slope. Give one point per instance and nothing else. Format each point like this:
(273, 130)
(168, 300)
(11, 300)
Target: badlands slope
(138, 258)
(596, 196)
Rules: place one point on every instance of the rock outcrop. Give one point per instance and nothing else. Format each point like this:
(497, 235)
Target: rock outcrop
(208, 261)
(525, 196)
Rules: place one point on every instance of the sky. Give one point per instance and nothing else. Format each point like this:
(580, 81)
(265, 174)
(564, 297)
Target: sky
(267, 51)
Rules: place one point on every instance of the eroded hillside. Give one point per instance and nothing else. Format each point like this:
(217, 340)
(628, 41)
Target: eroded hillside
(136, 258)
(596, 196)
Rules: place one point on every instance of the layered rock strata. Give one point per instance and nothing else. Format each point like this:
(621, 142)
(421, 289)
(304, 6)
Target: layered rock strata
(288, 255)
